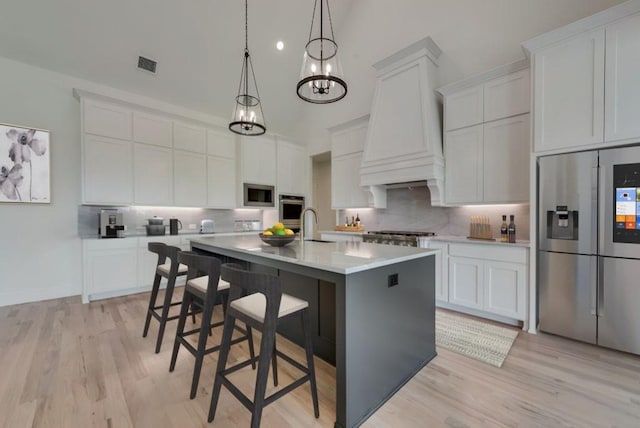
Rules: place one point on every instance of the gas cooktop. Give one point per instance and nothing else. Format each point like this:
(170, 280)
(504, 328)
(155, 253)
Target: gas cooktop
(405, 238)
(402, 233)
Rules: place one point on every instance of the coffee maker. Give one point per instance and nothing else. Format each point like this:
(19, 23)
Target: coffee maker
(111, 224)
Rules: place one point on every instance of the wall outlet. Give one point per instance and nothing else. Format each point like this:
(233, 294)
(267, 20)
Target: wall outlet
(192, 226)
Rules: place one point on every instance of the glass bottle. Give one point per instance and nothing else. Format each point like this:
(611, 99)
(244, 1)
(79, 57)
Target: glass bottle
(504, 230)
(512, 229)
(357, 220)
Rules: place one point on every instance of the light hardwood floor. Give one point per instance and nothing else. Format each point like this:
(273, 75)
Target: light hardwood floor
(64, 364)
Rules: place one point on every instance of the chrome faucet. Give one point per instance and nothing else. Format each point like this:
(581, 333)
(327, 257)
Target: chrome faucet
(315, 214)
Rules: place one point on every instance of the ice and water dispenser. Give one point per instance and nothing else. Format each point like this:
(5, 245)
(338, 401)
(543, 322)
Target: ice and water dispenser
(562, 223)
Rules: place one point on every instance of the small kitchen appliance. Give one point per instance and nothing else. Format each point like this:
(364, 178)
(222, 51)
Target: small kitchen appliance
(156, 227)
(111, 224)
(206, 226)
(174, 226)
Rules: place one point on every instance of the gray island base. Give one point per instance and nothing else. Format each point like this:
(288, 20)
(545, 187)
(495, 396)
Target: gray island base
(372, 309)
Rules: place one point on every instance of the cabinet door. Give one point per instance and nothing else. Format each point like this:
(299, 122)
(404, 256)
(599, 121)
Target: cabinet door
(346, 191)
(189, 137)
(463, 170)
(622, 85)
(221, 144)
(221, 182)
(108, 170)
(442, 269)
(106, 119)
(292, 169)
(504, 289)
(189, 179)
(507, 96)
(258, 160)
(569, 93)
(464, 108)
(506, 160)
(152, 129)
(466, 282)
(110, 270)
(152, 175)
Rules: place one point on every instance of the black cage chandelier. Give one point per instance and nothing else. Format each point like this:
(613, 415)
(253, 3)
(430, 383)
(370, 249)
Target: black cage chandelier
(321, 75)
(248, 118)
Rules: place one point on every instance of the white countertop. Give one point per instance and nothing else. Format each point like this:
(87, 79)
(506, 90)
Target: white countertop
(180, 235)
(340, 257)
(465, 240)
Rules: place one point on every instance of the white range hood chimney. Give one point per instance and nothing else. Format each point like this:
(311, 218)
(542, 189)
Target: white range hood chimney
(404, 138)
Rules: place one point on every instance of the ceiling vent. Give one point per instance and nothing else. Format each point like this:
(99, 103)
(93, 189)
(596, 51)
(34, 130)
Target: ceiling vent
(147, 64)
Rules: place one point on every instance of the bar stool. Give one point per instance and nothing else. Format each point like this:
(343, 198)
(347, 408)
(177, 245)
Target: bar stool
(169, 270)
(203, 285)
(263, 306)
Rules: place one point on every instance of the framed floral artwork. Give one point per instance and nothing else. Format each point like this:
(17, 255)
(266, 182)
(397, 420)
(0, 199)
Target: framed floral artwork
(25, 173)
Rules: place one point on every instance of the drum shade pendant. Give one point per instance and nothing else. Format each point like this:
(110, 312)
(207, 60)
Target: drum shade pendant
(321, 75)
(248, 118)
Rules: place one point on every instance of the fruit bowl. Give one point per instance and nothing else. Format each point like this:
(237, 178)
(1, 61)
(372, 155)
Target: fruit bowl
(277, 240)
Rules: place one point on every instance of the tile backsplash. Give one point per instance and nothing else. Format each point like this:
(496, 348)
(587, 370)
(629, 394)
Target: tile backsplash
(135, 218)
(410, 209)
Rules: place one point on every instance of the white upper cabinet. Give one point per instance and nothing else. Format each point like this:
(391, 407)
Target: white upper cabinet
(464, 108)
(506, 154)
(189, 179)
(347, 143)
(507, 96)
(586, 91)
(221, 182)
(489, 161)
(569, 93)
(464, 165)
(106, 119)
(221, 144)
(258, 160)
(108, 171)
(189, 137)
(622, 85)
(152, 175)
(293, 164)
(152, 129)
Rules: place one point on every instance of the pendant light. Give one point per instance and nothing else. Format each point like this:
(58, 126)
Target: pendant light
(321, 75)
(247, 116)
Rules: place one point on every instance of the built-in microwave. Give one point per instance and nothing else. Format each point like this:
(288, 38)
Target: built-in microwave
(291, 208)
(258, 195)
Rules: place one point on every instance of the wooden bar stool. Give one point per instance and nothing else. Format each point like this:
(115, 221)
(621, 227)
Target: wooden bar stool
(164, 269)
(262, 306)
(202, 287)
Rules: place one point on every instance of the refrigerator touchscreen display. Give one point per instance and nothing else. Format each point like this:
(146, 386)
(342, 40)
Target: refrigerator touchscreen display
(626, 227)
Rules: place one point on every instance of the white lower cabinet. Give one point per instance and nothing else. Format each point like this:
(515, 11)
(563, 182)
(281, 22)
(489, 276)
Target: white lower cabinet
(487, 278)
(466, 282)
(109, 266)
(147, 260)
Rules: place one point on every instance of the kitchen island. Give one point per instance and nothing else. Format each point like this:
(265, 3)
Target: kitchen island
(372, 309)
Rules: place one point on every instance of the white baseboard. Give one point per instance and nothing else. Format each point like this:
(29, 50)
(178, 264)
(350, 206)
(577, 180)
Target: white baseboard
(17, 297)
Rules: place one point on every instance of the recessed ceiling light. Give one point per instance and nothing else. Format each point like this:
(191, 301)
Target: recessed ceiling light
(280, 45)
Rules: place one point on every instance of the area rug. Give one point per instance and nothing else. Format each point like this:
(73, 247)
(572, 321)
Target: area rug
(482, 341)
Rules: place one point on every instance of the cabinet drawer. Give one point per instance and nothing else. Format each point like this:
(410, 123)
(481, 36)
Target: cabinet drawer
(169, 240)
(109, 244)
(490, 252)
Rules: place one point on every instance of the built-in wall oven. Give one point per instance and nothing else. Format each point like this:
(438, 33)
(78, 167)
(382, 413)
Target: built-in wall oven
(291, 207)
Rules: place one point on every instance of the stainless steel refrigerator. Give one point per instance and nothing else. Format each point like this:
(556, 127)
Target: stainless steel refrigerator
(589, 247)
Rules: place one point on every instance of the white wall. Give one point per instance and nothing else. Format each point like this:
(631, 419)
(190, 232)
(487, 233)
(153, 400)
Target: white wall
(39, 244)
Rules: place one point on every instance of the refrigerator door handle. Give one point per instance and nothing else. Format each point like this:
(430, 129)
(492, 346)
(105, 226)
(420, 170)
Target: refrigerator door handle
(600, 287)
(594, 209)
(594, 268)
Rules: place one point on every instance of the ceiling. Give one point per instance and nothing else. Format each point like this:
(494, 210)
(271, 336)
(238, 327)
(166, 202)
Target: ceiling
(199, 45)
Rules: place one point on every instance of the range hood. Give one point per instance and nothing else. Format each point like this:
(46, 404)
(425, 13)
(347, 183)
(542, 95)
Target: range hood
(403, 147)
